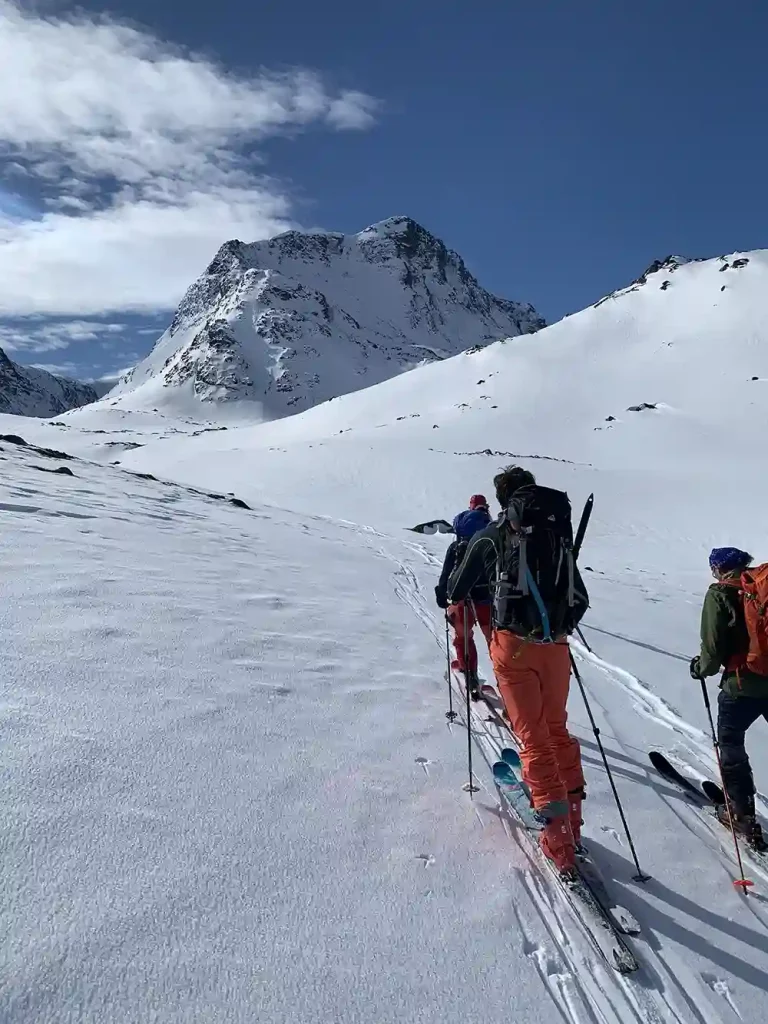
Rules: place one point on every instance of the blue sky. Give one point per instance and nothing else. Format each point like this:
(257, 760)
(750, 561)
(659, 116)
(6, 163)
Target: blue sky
(559, 147)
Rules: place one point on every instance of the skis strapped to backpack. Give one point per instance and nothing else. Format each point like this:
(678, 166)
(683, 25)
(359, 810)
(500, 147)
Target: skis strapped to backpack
(539, 591)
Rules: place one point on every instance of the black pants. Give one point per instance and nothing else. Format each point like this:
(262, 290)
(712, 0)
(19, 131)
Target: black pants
(735, 715)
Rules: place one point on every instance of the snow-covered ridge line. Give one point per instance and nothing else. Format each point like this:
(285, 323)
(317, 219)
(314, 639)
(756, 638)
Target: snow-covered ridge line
(27, 391)
(278, 326)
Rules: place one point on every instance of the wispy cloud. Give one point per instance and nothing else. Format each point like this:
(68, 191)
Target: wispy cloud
(59, 369)
(137, 149)
(114, 375)
(35, 335)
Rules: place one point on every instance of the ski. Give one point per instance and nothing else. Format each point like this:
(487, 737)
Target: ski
(707, 795)
(491, 696)
(488, 696)
(516, 795)
(671, 774)
(497, 713)
(582, 527)
(587, 868)
(624, 920)
(713, 791)
(606, 934)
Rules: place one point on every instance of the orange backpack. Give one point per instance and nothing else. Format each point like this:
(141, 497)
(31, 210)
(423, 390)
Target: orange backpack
(753, 588)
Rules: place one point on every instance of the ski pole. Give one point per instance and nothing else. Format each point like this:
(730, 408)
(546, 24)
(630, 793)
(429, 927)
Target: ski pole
(450, 714)
(740, 883)
(470, 787)
(583, 639)
(640, 876)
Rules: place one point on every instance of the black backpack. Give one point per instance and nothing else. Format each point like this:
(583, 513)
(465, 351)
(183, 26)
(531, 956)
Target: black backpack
(539, 594)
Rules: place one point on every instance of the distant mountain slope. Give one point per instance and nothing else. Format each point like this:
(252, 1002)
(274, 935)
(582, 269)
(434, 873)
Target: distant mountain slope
(663, 383)
(290, 322)
(26, 391)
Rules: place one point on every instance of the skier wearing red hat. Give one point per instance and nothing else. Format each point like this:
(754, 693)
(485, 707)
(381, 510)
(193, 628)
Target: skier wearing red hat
(476, 608)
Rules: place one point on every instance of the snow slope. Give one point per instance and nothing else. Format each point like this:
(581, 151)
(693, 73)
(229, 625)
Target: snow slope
(211, 847)
(572, 397)
(664, 477)
(27, 391)
(280, 325)
(225, 796)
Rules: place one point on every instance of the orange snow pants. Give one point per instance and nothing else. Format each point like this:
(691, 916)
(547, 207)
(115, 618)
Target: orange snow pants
(533, 681)
(456, 619)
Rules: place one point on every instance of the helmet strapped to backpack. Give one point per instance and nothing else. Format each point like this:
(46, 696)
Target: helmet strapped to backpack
(539, 592)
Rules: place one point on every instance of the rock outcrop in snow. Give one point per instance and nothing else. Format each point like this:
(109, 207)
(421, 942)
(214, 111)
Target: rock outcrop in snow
(301, 318)
(26, 391)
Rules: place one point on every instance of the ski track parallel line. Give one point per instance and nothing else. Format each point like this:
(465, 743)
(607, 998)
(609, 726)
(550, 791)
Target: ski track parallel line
(624, 998)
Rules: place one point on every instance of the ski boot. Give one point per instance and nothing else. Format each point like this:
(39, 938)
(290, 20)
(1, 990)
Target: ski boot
(745, 824)
(757, 840)
(473, 683)
(575, 799)
(557, 845)
(470, 679)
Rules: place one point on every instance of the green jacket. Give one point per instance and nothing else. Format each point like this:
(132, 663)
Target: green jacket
(724, 634)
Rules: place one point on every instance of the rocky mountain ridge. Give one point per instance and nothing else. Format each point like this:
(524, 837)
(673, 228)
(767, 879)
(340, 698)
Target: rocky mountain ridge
(295, 320)
(27, 391)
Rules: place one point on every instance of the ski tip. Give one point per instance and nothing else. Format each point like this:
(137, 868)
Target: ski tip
(502, 771)
(510, 756)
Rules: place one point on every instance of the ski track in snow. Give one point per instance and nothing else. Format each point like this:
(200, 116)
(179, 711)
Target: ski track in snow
(561, 965)
(578, 983)
(646, 701)
(177, 670)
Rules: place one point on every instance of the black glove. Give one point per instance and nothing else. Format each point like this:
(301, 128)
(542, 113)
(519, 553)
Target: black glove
(695, 668)
(441, 597)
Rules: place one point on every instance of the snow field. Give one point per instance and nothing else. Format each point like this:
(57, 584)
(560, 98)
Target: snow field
(189, 842)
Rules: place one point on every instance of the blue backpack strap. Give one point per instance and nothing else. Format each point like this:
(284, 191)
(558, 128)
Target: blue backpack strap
(536, 594)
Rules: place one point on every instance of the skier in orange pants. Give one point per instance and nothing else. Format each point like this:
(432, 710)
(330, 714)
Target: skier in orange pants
(539, 598)
(534, 680)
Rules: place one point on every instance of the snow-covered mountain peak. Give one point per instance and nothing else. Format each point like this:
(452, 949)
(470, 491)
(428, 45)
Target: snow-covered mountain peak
(280, 325)
(653, 380)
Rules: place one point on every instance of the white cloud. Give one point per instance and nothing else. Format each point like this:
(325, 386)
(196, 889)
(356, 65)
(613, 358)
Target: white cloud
(138, 147)
(59, 369)
(114, 377)
(34, 335)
